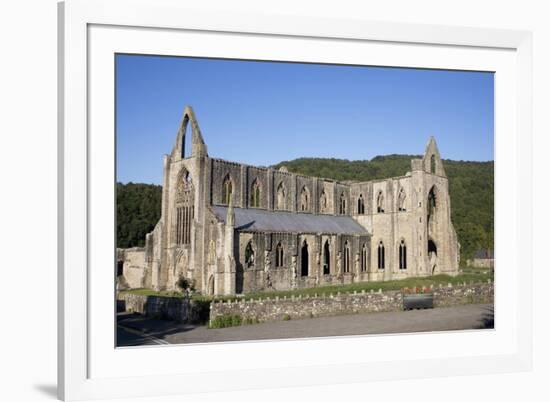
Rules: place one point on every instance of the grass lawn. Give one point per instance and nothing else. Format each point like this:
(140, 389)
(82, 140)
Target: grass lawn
(475, 275)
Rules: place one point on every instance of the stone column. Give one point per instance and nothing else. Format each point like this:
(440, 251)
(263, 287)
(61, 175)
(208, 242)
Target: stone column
(270, 190)
(230, 271)
(314, 196)
(293, 193)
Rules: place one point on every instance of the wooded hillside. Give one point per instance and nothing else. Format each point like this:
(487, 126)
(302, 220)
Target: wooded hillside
(138, 211)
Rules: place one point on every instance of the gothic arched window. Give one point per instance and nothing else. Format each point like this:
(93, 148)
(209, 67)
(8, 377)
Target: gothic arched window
(304, 199)
(402, 255)
(432, 203)
(380, 202)
(249, 255)
(305, 259)
(227, 190)
(432, 164)
(346, 258)
(364, 258)
(281, 196)
(326, 258)
(342, 204)
(255, 195)
(381, 256)
(360, 205)
(184, 207)
(279, 255)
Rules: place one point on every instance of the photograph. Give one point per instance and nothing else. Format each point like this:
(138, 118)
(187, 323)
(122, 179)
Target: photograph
(269, 200)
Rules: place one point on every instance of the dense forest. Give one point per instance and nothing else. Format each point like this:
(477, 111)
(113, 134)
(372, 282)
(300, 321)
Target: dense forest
(138, 211)
(471, 187)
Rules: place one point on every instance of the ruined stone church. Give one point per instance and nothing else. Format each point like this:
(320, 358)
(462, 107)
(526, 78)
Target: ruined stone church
(235, 229)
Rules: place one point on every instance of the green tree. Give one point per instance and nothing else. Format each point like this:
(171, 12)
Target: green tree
(138, 211)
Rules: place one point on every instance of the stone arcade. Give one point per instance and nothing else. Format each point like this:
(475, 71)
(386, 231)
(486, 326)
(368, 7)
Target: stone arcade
(235, 229)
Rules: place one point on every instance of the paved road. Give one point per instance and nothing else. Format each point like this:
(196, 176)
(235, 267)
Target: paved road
(139, 334)
(472, 316)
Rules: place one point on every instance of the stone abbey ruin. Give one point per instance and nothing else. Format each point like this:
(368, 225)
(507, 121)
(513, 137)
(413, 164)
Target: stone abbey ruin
(234, 228)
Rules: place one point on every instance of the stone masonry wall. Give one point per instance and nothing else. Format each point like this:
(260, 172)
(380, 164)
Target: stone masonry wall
(134, 266)
(446, 296)
(277, 309)
(169, 308)
(308, 307)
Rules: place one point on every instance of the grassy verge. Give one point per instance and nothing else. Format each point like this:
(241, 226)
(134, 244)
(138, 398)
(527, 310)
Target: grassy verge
(151, 292)
(476, 275)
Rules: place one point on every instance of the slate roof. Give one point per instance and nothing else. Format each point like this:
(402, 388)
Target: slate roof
(258, 220)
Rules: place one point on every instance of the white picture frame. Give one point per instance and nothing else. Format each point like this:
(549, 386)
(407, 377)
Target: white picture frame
(90, 32)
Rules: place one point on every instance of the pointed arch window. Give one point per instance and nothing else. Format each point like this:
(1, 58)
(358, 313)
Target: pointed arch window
(401, 201)
(185, 137)
(432, 203)
(360, 205)
(184, 207)
(279, 254)
(380, 202)
(432, 164)
(305, 259)
(326, 258)
(342, 204)
(381, 256)
(346, 257)
(249, 255)
(323, 202)
(227, 189)
(281, 197)
(255, 194)
(364, 258)
(304, 199)
(402, 255)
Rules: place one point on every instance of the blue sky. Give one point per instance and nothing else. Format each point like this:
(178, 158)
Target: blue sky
(261, 113)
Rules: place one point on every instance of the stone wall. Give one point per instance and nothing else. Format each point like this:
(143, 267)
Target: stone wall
(167, 308)
(264, 275)
(308, 307)
(446, 296)
(134, 266)
(277, 309)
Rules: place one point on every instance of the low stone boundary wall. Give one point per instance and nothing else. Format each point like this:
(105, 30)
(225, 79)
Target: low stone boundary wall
(447, 296)
(168, 308)
(279, 309)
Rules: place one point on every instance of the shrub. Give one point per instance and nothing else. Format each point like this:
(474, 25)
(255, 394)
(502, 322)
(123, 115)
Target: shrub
(185, 285)
(286, 317)
(226, 320)
(251, 320)
(236, 320)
